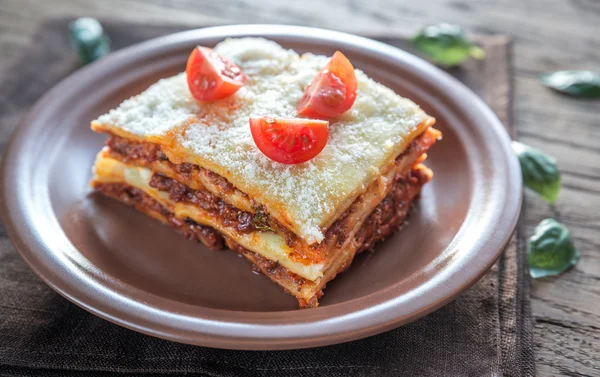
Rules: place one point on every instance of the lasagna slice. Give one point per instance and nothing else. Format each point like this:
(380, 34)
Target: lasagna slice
(195, 167)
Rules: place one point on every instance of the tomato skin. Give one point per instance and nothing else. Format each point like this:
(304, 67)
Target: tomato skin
(289, 140)
(332, 92)
(212, 77)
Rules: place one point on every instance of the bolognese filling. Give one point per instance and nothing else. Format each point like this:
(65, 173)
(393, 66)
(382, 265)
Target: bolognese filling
(383, 220)
(200, 186)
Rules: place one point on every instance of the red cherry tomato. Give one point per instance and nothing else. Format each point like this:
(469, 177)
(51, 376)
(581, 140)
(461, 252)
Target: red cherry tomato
(212, 77)
(289, 141)
(332, 92)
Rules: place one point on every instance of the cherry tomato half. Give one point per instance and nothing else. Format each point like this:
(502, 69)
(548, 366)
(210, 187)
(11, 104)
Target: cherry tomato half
(289, 141)
(212, 77)
(332, 92)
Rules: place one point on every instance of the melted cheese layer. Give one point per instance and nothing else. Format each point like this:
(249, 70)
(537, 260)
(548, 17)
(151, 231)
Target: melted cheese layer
(306, 197)
(268, 244)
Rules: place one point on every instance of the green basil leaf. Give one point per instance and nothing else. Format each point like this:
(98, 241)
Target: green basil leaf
(540, 172)
(551, 249)
(574, 83)
(446, 44)
(88, 38)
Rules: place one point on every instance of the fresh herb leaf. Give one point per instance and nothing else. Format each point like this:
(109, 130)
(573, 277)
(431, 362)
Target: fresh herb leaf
(540, 172)
(551, 249)
(446, 44)
(574, 83)
(88, 38)
(260, 220)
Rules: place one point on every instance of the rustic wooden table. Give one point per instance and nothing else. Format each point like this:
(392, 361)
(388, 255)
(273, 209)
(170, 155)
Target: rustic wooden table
(548, 35)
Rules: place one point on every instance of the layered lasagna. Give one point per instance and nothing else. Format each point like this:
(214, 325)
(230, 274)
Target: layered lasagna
(195, 166)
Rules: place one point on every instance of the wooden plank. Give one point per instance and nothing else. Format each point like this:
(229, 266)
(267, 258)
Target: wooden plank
(548, 35)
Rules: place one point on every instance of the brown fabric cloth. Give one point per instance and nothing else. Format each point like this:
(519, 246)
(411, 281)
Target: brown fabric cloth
(485, 332)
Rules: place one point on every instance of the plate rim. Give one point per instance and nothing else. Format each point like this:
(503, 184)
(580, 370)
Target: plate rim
(29, 246)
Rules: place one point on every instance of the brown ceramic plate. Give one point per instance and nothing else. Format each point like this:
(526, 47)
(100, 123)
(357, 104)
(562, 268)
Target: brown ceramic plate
(131, 270)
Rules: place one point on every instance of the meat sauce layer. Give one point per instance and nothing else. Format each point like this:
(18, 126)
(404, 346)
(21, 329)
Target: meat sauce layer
(143, 202)
(144, 153)
(386, 218)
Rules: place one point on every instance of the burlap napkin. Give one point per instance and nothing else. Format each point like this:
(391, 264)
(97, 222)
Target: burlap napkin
(486, 331)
